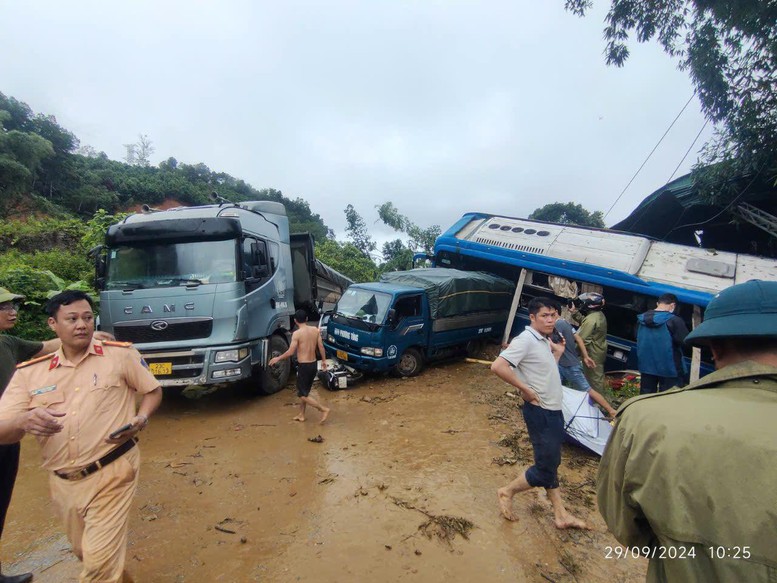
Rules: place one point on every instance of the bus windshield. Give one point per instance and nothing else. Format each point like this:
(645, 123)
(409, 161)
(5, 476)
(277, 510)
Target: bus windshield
(171, 264)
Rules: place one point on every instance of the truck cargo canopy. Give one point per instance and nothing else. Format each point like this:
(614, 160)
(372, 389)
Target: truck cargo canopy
(453, 292)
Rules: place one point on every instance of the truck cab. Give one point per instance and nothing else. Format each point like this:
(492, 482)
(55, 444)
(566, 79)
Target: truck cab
(207, 293)
(411, 317)
(376, 324)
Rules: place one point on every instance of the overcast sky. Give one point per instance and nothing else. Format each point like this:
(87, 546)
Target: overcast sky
(442, 107)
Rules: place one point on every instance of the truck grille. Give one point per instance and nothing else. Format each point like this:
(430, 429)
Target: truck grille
(185, 365)
(163, 330)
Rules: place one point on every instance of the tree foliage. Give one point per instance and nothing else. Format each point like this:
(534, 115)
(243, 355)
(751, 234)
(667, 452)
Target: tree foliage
(729, 48)
(42, 161)
(420, 239)
(139, 153)
(568, 213)
(356, 231)
(396, 256)
(347, 259)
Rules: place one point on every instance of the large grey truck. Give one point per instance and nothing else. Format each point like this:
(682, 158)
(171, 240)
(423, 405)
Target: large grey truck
(207, 294)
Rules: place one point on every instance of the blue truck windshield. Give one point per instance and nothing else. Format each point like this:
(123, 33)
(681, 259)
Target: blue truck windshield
(365, 305)
(171, 264)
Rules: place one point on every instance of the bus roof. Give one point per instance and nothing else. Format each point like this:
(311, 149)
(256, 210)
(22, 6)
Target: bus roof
(604, 257)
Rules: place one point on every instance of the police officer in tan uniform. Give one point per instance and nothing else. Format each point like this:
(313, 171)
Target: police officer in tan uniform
(74, 401)
(689, 477)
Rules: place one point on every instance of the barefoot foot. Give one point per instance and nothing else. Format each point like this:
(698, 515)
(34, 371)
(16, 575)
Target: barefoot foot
(566, 520)
(324, 414)
(506, 504)
(299, 418)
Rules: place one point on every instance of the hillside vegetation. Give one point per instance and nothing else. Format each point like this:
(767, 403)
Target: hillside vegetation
(58, 198)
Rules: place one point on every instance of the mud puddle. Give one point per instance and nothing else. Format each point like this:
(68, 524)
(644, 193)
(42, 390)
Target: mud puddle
(401, 487)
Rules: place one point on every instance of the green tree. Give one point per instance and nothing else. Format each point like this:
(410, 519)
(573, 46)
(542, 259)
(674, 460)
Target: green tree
(356, 231)
(568, 213)
(21, 155)
(729, 48)
(420, 239)
(396, 256)
(347, 259)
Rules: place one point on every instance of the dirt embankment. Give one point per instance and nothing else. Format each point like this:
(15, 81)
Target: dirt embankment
(400, 487)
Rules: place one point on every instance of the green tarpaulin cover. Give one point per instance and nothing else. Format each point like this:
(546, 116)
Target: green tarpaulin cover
(453, 292)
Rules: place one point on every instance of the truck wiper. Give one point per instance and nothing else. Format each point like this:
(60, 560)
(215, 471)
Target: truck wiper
(127, 284)
(187, 281)
(347, 317)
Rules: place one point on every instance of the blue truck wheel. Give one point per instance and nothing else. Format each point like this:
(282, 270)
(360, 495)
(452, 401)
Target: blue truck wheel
(409, 364)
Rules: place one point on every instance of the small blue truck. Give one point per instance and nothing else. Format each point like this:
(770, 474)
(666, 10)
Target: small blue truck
(413, 317)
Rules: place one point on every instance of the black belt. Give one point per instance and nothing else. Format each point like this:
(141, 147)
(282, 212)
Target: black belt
(109, 457)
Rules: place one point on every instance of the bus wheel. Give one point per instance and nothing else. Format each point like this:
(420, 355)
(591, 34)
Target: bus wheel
(274, 378)
(410, 363)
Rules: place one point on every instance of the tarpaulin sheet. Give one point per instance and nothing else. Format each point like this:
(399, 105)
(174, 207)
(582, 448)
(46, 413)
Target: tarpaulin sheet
(453, 292)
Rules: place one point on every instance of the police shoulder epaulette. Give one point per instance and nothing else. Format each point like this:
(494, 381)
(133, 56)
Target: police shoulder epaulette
(117, 343)
(34, 360)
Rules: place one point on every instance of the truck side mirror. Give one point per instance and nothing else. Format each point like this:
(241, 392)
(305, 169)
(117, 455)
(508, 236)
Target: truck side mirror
(97, 254)
(259, 271)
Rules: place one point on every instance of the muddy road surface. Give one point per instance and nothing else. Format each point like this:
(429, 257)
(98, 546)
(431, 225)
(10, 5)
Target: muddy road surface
(401, 487)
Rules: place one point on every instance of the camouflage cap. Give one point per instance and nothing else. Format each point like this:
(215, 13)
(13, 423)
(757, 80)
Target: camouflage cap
(6, 296)
(747, 309)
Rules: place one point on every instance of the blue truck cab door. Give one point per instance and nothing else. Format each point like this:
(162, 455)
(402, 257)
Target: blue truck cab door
(407, 337)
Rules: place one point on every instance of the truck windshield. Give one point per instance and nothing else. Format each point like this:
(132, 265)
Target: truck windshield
(363, 304)
(171, 264)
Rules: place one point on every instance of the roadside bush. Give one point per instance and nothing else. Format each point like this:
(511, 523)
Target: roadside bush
(70, 266)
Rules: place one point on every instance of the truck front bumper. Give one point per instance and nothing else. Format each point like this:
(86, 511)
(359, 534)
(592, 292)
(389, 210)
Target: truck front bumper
(198, 366)
(359, 361)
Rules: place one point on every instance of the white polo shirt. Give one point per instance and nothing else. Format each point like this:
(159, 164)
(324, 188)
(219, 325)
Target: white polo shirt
(532, 359)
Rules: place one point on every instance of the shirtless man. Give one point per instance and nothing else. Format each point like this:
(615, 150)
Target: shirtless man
(304, 342)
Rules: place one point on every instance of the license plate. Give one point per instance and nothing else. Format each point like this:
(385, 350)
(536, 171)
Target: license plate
(342, 355)
(160, 368)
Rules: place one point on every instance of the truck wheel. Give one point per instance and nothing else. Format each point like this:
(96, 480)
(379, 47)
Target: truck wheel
(410, 363)
(274, 378)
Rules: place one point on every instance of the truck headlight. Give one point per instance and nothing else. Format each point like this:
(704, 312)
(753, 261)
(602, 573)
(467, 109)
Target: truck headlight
(231, 355)
(330, 339)
(369, 351)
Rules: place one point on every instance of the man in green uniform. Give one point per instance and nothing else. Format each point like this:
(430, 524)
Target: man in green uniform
(688, 476)
(13, 351)
(593, 332)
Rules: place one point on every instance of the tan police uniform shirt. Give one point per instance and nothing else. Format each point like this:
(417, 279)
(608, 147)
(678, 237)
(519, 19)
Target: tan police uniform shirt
(96, 394)
(694, 468)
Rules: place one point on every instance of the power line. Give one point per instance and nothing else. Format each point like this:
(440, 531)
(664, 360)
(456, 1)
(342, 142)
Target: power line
(649, 155)
(688, 151)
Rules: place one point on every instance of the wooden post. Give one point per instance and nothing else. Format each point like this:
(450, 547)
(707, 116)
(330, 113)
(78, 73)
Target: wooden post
(514, 306)
(696, 353)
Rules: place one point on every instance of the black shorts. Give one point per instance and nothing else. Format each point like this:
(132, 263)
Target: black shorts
(306, 374)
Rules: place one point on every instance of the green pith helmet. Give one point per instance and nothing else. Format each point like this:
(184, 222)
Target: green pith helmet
(747, 309)
(6, 296)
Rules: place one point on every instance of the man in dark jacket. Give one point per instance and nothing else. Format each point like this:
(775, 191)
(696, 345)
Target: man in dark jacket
(659, 347)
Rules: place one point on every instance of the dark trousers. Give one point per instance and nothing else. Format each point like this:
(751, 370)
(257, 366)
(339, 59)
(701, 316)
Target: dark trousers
(546, 432)
(650, 383)
(9, 465)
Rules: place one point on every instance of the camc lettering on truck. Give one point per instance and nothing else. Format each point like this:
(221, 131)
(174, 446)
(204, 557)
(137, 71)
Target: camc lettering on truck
(485, 330)
(347, 335)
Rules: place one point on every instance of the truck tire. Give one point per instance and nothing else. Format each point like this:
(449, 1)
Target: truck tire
(409, 364)
(274, 378)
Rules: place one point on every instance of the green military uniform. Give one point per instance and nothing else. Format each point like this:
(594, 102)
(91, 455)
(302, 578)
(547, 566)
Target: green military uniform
(13, 351)
(695, 467)
(593, 332)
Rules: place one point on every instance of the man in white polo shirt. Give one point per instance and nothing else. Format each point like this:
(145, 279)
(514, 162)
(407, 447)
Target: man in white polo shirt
(530, 364)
